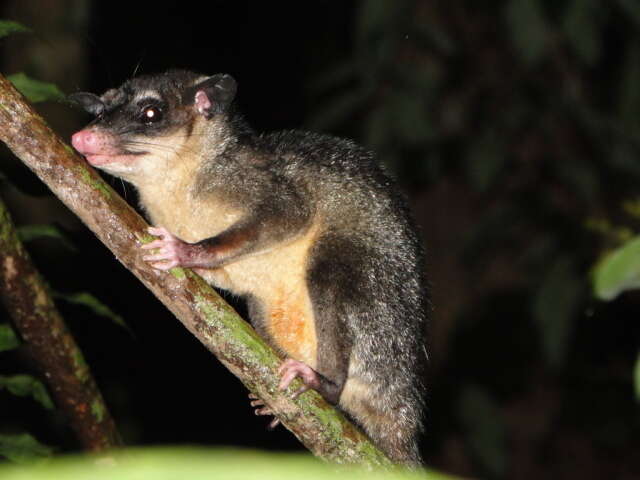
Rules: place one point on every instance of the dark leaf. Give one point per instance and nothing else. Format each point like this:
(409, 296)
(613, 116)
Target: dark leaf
(96, 306)
(483, 423)
(8, 338)
(27, 386)
(35, 90)
(528, 29)
(624, 158)
(581, 177)
(433, 35)
(485, 160)
(555, 306)
(377, 131)
(31, 232)
(409, 118)
(582, 28)
(22, 448)
(9, 27)
(373, 16)
(629, 94)
(632, 9)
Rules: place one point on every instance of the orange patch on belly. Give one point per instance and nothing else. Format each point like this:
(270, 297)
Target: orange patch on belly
(292, 327)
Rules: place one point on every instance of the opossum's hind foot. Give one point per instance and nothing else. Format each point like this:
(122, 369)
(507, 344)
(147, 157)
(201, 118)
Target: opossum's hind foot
(290, 369)
(263, 410)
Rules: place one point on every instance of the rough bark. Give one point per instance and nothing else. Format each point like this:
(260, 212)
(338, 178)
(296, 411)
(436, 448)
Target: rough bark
(53, 349)
(314, 422)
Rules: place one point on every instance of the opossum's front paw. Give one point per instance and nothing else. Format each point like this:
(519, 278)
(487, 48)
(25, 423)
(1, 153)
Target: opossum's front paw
(263, 410)
(291, 369)
(172, 252)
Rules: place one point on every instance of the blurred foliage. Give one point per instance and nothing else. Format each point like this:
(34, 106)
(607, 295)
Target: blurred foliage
(615, 273)
(26, 233)
(555, 305)
(535, 106)
(8, 338)
(194, 464)
(90, 301)
(8, 27)
(27, 386)
(527, 126)
(481, 419)
(22, 448)
(31, 232)
(618, 271)
(35, 90)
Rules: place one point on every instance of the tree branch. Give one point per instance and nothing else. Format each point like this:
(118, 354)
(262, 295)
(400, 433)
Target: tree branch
(53, 349)
(316, 424)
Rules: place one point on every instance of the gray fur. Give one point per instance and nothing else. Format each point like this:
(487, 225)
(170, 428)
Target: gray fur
(365, 271)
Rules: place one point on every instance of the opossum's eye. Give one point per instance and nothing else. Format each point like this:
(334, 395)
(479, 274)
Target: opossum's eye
(150, 114)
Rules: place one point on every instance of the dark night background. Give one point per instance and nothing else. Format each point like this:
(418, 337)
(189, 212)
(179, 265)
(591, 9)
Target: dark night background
(514, 128)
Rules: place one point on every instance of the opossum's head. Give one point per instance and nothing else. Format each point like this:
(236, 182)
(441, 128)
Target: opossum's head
(154, 123)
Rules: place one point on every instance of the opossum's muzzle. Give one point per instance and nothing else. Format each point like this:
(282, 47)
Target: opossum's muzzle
(99, 148)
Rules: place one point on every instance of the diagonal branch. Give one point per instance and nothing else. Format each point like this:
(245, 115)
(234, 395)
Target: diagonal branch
(316, 424)
(53, 349)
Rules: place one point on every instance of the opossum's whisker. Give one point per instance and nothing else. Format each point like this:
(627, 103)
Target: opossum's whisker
(159, 146)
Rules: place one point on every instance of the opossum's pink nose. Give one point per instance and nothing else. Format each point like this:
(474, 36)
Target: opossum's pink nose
(86, 141)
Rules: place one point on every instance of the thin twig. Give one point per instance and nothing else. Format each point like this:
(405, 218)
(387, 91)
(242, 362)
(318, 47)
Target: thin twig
(51, 346)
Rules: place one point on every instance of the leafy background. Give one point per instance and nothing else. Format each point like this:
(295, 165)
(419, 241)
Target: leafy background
(514, 127)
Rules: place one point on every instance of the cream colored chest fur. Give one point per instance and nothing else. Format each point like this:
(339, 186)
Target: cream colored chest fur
(275, 277)
(189, 219)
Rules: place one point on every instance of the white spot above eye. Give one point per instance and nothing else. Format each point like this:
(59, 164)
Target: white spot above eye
(147, 95)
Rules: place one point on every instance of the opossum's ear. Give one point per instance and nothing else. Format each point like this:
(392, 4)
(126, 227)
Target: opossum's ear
(88, 101)
(212, 95)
